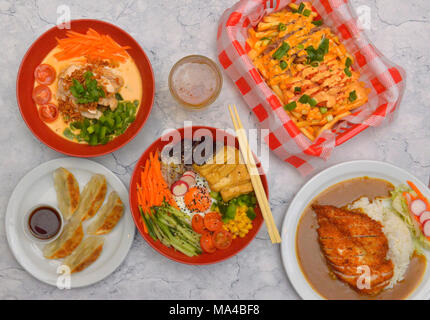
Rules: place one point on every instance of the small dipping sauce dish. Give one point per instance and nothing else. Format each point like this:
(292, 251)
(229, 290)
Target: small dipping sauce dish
(195, 82)
(43, 223)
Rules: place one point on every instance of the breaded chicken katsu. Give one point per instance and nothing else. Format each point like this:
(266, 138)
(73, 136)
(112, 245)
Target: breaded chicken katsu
(352, 244)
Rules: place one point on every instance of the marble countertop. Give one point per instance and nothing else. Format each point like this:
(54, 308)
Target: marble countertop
(189, 27)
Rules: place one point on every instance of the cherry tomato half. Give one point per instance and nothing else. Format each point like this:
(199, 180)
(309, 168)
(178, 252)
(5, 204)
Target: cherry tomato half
(48, 112)
(198, 224)
(42, 94)
(222, 239)
(213, 221)
(206, 242)
(45, 74)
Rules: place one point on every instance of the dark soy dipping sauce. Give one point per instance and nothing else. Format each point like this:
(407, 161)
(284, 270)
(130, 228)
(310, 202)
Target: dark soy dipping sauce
(44, 223)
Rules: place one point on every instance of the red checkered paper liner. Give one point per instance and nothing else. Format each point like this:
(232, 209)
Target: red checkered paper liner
(386, 80)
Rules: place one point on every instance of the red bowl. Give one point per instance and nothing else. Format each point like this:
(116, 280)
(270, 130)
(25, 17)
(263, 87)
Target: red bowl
(237, 245)
(25, 83)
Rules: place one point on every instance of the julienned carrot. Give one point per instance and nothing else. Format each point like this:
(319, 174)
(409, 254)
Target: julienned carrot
(419, 194)
(153, 189)
(91, 44)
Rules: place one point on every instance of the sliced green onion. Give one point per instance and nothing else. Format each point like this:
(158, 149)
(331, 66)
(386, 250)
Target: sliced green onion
(324, 45)
(348, 72)
(283, 65)
(269, 40)
(282, 50)
(282, 27)
(300, 46)
(301, 8)
(323, 110)
(307, 12)
(318, 23)
(312, 102)
(304, 99)
(297, 89)
(291, 106)
(353, 96)
(348, 62)
(329, 118)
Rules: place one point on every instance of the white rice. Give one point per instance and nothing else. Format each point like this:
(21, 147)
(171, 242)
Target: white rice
(401, 246)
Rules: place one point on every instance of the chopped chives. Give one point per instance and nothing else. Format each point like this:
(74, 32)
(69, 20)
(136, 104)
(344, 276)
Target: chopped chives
(291, 106)
(353, 96)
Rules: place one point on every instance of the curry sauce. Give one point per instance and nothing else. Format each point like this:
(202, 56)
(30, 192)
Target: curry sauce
(312, 260)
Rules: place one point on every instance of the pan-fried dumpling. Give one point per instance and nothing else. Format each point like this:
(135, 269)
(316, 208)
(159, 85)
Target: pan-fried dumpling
(108, 216)
(67, 189)
(92, 197)
(84, 255)
(69, 239)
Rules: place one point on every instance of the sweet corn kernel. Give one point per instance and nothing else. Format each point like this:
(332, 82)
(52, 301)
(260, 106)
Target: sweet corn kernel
(240, 225)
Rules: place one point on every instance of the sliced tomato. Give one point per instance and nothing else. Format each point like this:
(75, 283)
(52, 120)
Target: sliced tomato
(42, 94)
(48, 112)
(206, 242)
(198, 224)
(222, 239)
(213, 221)
(45, 74)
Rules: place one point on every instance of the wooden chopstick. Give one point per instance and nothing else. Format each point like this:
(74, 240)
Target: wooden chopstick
(255, 177)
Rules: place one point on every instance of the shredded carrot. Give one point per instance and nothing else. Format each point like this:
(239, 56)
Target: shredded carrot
(419, 194)
(92, 45)
(153, 189)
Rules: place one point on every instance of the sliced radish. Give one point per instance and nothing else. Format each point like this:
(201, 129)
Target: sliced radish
(179, 188)
(426, 228)
(190, 173)
(418, 206)
(424, 217)
(189, 180)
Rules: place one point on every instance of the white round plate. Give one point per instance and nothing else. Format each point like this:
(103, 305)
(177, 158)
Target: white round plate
(313, 188)
(37, 187)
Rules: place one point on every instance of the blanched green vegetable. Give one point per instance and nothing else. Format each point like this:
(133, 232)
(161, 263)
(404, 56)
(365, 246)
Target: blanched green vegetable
(172, 228)
(110, 125)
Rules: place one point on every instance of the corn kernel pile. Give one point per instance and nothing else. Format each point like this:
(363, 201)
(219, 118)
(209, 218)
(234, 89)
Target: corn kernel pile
(240, 225)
